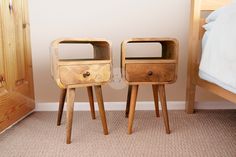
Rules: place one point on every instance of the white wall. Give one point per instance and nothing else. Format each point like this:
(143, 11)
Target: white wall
(114, 20)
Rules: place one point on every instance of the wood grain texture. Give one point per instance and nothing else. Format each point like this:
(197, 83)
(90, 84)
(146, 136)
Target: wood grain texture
(135, 70)
(68, 62)
(84, 74)
(19, 46)
(69, 114)
(91, 101)
(156, 99)
(134, 93)
(162, 94)
(149, 70)
(2, 66)
(194, 52)
(16, 91)
(169, 45)
(193, 55)
(98, 91)
(164, 73)
(73, 73)
(128, 101)
(216, 90)
(101, 61)
(61, 106)
(13, 106)
(149, 60)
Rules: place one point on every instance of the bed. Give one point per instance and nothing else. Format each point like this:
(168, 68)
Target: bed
(198, 8)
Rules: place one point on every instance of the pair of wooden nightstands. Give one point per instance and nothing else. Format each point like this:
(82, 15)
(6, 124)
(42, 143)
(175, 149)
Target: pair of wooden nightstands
(70, 74)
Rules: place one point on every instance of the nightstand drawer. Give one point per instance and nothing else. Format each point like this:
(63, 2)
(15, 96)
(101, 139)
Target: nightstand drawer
(85, 74)
(157, 72)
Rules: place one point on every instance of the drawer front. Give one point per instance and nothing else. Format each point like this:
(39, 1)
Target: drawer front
(84, 74)
(150, 72)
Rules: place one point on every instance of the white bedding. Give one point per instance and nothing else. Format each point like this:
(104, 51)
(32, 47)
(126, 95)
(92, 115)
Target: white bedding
(218, 62)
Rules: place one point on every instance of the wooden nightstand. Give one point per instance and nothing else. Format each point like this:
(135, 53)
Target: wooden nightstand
(156, 71)
(72, 73)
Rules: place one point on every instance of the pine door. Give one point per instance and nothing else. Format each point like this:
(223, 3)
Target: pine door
(16, 81)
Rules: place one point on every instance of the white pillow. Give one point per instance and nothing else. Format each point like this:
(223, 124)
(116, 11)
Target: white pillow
(215, 14)
(208, 26)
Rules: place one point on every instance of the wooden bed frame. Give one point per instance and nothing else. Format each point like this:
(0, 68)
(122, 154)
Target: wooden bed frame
(195, 36)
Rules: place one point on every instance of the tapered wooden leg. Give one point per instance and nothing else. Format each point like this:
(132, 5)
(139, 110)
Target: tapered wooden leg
(69, 115)
(164, 107)
(98, 91)
(61, 106)
(133, 99)
(128, 102)
(191, 86)
(155, 95)
(91, 101)
(190, 96)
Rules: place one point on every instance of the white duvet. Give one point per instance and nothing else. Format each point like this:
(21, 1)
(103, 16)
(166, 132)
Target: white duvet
(218, 62)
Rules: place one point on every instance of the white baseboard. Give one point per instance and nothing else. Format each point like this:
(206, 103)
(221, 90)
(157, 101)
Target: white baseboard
(144, 105)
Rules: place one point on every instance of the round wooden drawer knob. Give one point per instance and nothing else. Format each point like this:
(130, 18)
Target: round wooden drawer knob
(150, 73)
(87, 74)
